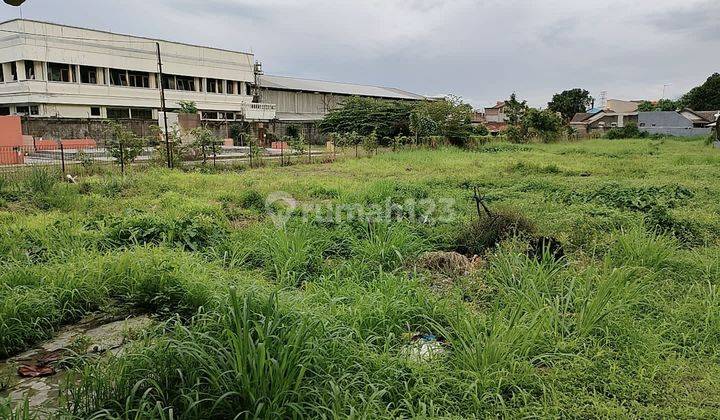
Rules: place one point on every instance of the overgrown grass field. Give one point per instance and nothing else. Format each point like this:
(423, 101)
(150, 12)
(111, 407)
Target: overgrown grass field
(314, 319)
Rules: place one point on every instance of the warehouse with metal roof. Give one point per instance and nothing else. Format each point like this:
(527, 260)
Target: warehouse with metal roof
(303, 102)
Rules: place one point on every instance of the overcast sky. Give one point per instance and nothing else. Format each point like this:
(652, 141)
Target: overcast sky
(481, 50)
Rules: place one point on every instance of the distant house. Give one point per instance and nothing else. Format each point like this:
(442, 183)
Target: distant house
(495, 118)
(616, 114)
(685, 123)
(585, 123)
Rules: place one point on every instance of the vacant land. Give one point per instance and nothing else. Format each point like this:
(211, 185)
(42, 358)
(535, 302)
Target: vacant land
(330, 317)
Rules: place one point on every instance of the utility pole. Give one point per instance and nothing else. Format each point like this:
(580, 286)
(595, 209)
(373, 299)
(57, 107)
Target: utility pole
(665, 86)
(164, 109)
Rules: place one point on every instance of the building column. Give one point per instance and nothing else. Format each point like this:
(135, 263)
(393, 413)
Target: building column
(100, 75)
(40, 70)
(153, 80)
(20, 67)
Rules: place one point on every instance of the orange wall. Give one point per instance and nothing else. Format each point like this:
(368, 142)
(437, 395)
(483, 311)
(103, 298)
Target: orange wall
(10, 131)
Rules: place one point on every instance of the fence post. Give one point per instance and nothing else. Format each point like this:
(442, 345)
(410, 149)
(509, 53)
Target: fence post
(62, 157)
(215, 146)
(309, 151)
(122, 157)
(282, 153)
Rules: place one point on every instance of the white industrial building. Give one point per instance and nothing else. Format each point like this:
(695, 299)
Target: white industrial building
(51, 70)
(56, 73)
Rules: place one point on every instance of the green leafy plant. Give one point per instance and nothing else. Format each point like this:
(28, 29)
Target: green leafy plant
(188, 107)
(124, 145)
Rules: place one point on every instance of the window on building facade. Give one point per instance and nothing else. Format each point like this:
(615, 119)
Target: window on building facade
(210, 115)
(118, 77)
(88, 75)
(142, 113)
(230, 87)
(95, 111)
(2, 73)
(139, 79)
(212, 85)
(185, 83)
(30, 70)
(13, 71)
(117, 113)
(168, 81)
(248, 89)
(59, 72)
(5, 110)
(22, 110)
(34, 110)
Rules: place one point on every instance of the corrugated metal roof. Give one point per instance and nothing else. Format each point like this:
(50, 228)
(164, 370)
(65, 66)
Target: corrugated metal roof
(307, 85)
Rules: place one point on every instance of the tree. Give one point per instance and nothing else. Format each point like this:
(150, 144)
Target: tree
(705, 97)
(661, 105)
(450, 118)
(646, 106)
(365, 115)
(543, 124)
(370, 142)
(570, 102)
(124, 145)
(205, 141)
(525, 123)
(514, 110)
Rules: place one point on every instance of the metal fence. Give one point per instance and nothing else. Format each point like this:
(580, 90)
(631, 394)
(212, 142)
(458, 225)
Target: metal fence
(77, 157)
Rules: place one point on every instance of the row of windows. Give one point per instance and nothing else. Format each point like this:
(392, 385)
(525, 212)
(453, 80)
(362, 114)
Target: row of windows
(68, 73)
(219, 115)
(20, 110)
(13, 76)
(60, 72)
(121, 113)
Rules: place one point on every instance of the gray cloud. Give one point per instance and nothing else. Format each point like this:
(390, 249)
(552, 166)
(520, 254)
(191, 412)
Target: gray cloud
(482, 50)
(696, 21)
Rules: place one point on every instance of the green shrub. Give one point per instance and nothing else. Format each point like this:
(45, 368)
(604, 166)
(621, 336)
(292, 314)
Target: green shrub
(192, 232)
(629, 131)
(252, 200)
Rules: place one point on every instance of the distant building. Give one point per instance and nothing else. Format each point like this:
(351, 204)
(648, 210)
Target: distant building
(616, 114)
(496, 118)
(685, 123)
(601, 121)
(304, 102)
(64, 80)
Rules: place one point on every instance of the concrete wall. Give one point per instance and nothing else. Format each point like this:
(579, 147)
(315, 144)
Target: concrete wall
(70, 128)
(677, 132)
(10, 132)
(80, 128)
